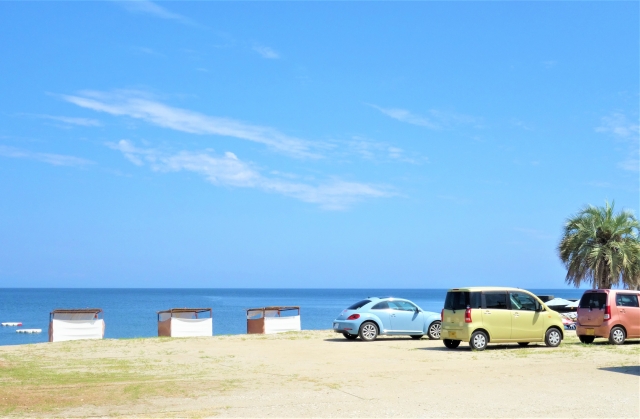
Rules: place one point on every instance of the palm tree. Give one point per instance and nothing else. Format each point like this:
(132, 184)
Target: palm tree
(602, 248)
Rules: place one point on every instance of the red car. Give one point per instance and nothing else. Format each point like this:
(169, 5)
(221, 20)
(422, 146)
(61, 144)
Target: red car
(610, 314)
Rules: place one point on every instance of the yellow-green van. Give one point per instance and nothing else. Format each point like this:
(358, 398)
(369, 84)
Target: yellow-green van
(480, 315)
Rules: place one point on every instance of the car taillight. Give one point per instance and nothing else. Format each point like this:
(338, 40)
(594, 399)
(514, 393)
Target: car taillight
(467, 315)
(353, 317)
(607, 312)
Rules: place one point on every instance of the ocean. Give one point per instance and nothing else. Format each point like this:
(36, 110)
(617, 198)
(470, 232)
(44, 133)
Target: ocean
(131, 313)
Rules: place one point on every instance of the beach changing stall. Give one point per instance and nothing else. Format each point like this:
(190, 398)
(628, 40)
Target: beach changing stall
(74, 324)
(268, 320)
(185, 322)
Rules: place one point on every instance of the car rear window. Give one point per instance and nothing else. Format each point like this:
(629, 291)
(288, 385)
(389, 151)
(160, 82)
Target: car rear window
(358, 305)
(460, 300)
(594, 300)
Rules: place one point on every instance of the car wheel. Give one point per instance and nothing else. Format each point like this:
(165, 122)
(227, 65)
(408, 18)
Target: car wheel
(523, 343)
(416, 336)
(478, 341)
(434, 330)
(553, 337)
(349, 335)
(586, 339)
(368, 331)
(617, 336)
(451, 344)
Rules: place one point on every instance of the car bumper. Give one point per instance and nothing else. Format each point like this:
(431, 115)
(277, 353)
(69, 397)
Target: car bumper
(455, 332)
(341, 326)
(596, 331)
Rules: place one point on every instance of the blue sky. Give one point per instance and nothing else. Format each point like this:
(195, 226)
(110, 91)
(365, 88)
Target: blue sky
(207, 144)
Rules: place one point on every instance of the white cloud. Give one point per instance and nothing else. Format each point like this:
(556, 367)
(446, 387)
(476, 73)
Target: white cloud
(266, 52)
(376, 150)
(136, 105)
(617, 125)
(549, 64)
(83, 122)
(54, 159)
(228, 170)
(404, 115)
(435, 120)
(150, 8)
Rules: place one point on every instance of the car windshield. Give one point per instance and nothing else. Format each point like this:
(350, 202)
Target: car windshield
(358, 305)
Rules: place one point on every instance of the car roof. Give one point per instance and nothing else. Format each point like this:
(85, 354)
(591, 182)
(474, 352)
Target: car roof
(386, 298)
(486, 289)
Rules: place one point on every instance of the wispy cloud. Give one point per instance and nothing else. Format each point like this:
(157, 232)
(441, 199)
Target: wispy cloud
(617, 125)
(152, 9)
(434, 120)
(266, 52)
(404, 115)
(377, 150)
(50, 158)
(228, 170)
(83, 122)
(137, 105)
(549, 64)
(521, 124)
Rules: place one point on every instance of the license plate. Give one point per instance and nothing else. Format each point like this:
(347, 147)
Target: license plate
(335, 325)
(452, 334)
(590, 332)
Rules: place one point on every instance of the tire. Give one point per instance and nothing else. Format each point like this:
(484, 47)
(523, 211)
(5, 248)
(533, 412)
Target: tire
(523, 343)
(553, 337)
(349, 336)
(451, 344)
(617, 336)
(434, 330)
(368, 331)
(586, 339)
(478, 341)
(416, 336)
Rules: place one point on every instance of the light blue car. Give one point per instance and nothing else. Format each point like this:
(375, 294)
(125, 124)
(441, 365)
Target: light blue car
(386, 316)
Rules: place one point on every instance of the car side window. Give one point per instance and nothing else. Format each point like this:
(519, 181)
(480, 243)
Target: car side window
(381, 306)
(496, 300)
(626, 300)
(406, 306)
(522, 301)
(401, 306)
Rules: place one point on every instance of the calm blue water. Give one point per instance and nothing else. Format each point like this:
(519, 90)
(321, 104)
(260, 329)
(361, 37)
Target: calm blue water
(131, 313)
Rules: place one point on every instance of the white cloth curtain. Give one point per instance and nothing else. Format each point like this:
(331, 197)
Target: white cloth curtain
(281, 324)
(181, 328)
(77, 329)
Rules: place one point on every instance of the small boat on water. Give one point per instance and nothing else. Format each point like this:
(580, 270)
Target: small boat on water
(29, 331)
(11, 324)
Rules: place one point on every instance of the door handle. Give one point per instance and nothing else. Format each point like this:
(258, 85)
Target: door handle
(393, 315)
(487, 312)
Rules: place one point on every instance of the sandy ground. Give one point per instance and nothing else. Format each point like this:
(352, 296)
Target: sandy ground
(317, 374)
